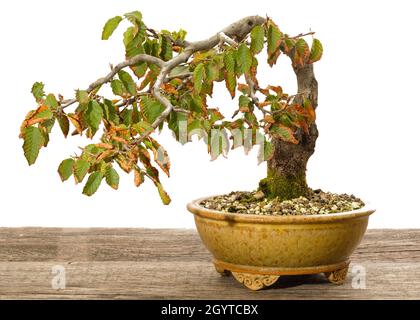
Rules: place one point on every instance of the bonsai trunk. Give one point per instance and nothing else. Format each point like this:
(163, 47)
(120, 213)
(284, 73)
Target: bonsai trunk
(286, 170)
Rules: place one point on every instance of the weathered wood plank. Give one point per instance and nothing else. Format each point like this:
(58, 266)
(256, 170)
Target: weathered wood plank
(150, 263)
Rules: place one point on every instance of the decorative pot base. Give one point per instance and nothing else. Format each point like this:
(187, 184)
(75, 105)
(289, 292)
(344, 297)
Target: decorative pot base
(257, 278)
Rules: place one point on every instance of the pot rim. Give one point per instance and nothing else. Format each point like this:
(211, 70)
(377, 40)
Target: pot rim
(198, 210)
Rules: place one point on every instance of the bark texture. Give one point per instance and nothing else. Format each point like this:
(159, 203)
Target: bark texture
(286, 171)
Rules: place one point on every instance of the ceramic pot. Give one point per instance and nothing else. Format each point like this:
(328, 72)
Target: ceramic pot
(258, 249)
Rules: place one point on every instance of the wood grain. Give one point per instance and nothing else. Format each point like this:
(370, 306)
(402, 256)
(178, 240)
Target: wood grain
(173, 264)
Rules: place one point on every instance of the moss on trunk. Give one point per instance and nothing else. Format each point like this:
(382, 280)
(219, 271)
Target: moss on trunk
(284, 186)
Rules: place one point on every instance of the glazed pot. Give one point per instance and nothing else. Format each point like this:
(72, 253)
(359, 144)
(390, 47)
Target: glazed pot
(258, 249)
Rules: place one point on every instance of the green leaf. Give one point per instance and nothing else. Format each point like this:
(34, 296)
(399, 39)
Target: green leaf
(288, 45)
(38, 91)
(142, 127)
(109, 112)
(181, 34)
(230, 77)
(93, 183)
(49, 124)
(112, 178)
(163, 195)
(64, 123)
(136, 112)
(192, 103)
(81, 167)
(212, 71)
(198, 77)
(93, 115)
(229, 61)
(134, 17)
(118, 87)
(65, 169)
(45, 136)
(135, 46)
(266, 151)
(230, 80)
(178, 70)
(128, 82)
(244, 101)
(243, 58)
(151, 108)
(51, 101)
(302, 47)
(195, 127)
(316, 51)
(91, 149)
(82, 96)
(273, 39)
(127, 116)
(110, 26)
(128, 35)
(175, 119)
(257, 39)
(166, 48)
(140, 69)
(44, 114)
(33, 141)
(284, 133)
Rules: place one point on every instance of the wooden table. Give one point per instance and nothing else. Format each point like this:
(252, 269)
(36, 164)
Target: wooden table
(172, 263)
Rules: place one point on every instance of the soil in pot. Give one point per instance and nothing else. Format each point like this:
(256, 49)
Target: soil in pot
(317, 202)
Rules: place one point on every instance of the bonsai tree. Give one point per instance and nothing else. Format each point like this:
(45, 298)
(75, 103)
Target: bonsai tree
(167, 80)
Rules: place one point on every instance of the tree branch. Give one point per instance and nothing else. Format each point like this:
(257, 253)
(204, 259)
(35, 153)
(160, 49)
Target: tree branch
(224, 38)
(238, 30)
(178, 42)
(300, 35)
(129, 62)
(179, 76)
(253, 97)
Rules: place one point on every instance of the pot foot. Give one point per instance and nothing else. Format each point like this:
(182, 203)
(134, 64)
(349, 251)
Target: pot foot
(337, 276)
(255, 281)
(221, 270)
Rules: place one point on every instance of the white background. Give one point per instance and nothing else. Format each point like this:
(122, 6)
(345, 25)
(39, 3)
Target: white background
(368, 107)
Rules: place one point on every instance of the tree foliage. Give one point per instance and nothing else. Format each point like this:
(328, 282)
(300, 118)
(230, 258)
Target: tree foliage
(137, 110)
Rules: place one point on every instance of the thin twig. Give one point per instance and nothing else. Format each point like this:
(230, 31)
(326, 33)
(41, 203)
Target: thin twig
(129, 62)
(300, 35)
(179, 76)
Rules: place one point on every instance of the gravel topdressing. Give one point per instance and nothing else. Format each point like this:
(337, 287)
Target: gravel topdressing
(317, 202)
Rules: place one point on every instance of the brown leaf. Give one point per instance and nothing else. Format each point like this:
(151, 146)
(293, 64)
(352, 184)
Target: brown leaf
(105, 146)
(243, 88)
(161, 157)
(124, 164)
(276, 89)
(269, 119)
(119, 139)
(105, 154)
(149, 78)
(263, 104)
(272, 59)
(169, 88)
(75, 120)
(138, 177)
